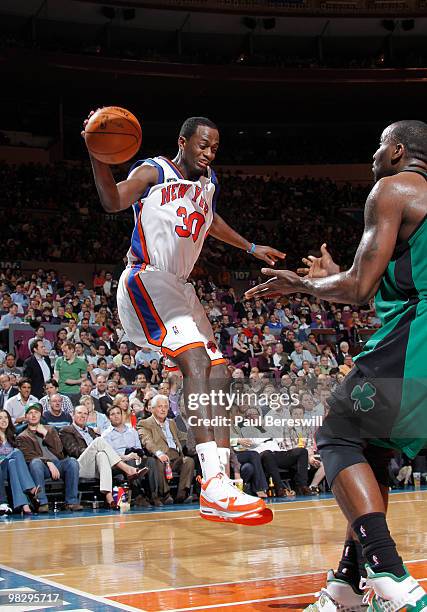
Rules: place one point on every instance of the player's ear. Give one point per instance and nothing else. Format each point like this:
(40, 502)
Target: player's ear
(182, 142)
(399, 151)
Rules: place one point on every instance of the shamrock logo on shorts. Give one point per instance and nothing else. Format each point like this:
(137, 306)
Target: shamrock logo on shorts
(362, 397)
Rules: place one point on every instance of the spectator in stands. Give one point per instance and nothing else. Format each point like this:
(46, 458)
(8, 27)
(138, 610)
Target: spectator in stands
(100, 387)
(280, 358)
(51, 388)
(123, 350)
(255, 346)
(43, 451)
(6, 389)
(96, 419)
(94, 455)
(14, 469)
(145, 355)
(257, 481)
(85, 389)
(266, 361)
(11, 318)
(17, 404)
(312, 345)
(40, 335)
(70, 371)
(10, 367)
(154, 375)
(347, 365)
(19, 296)
(126, 370)
(125, 441)
(106, 400)
(54, 416)
(343, 352)
(160, 436)
(38, 367)
(299, 354)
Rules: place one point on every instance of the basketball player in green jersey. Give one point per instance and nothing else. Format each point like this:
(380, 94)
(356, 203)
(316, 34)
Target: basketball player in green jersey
(382, 403)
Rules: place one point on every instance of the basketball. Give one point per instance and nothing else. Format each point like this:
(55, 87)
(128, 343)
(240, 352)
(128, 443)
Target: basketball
(113, 135)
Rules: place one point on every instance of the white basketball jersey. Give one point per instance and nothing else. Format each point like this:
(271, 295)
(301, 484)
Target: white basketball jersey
(172, 219)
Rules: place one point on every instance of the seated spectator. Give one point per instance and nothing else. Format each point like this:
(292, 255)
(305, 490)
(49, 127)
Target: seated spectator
(241, 352)
(14, 469)
(122, 401)
(280, 358)
(10, 367)
(267, 336)
(123, 350)
(343, 352)
(101, 369)
(94, 455)
(43, 451)
(299, 354)
(41, 335)
(347, 365)
(154, 375)
(255, 346)
(85, 389)
(312, 345)
(145, 355)
(54, 416)
(38, 367)
(125, 441)
(275, 457)
(11, 318)
(160, 436)
(96, 419)
(332, 362)
(127, 370)
(70, 370)
(266, 362)
(17, 404)
(257, 481)
(106, 400)
(274, 324)
(100, 387)
(51, 388)
(6, 389)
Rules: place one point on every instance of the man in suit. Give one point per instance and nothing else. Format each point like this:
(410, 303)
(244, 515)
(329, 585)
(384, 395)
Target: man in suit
(6, 389)
(343, 352)
(38, 368)
(85, 389)
(159, 435)
(107, 400)
(95, 456)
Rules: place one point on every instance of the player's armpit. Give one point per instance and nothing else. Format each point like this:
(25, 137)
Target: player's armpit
(133, 188)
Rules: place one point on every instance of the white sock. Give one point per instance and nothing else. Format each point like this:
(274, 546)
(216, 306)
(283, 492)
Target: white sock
(224, 459)
(209, 459)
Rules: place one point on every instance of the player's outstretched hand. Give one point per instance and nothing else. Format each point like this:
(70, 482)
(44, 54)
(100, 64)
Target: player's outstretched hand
(82, 133)
(268, 254)
(319, 267)
(281, 282)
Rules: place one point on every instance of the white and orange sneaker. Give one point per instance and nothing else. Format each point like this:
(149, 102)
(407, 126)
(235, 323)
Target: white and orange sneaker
(223, 502)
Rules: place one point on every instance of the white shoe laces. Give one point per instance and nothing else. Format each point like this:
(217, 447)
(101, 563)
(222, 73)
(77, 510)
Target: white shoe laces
(388, 605)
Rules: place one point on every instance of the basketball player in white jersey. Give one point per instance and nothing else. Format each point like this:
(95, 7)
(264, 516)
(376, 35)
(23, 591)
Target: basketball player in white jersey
(174, 204)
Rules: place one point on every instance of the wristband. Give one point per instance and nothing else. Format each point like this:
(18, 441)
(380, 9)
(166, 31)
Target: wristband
(251, 251)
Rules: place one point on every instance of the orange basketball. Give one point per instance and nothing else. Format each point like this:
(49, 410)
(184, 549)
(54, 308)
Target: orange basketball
(113, 135)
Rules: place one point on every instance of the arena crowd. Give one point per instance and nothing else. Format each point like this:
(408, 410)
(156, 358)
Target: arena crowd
(79, 401)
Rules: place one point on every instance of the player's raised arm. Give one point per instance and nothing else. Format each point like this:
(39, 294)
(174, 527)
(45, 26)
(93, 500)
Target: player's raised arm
(383, 216)
(116, 197)
(222, 231)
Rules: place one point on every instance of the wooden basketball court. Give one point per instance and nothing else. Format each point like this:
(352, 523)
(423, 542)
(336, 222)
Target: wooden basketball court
(174, 561)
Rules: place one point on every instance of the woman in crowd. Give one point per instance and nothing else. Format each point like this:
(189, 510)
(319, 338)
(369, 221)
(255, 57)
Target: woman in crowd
(255, 346)
(267, 335)
(14, 469)
(97, 420)
(122, 401)
(265, 361)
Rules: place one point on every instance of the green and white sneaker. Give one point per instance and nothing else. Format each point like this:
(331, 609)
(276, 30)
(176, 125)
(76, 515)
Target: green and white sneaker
(391, 593)
(338, 595)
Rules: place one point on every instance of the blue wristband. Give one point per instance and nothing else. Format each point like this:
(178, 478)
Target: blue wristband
(251, 251)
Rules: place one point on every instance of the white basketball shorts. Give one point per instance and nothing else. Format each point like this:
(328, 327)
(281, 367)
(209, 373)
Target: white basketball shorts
(159, 310)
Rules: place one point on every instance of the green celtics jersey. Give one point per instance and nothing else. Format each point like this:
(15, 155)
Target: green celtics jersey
(395, 357)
